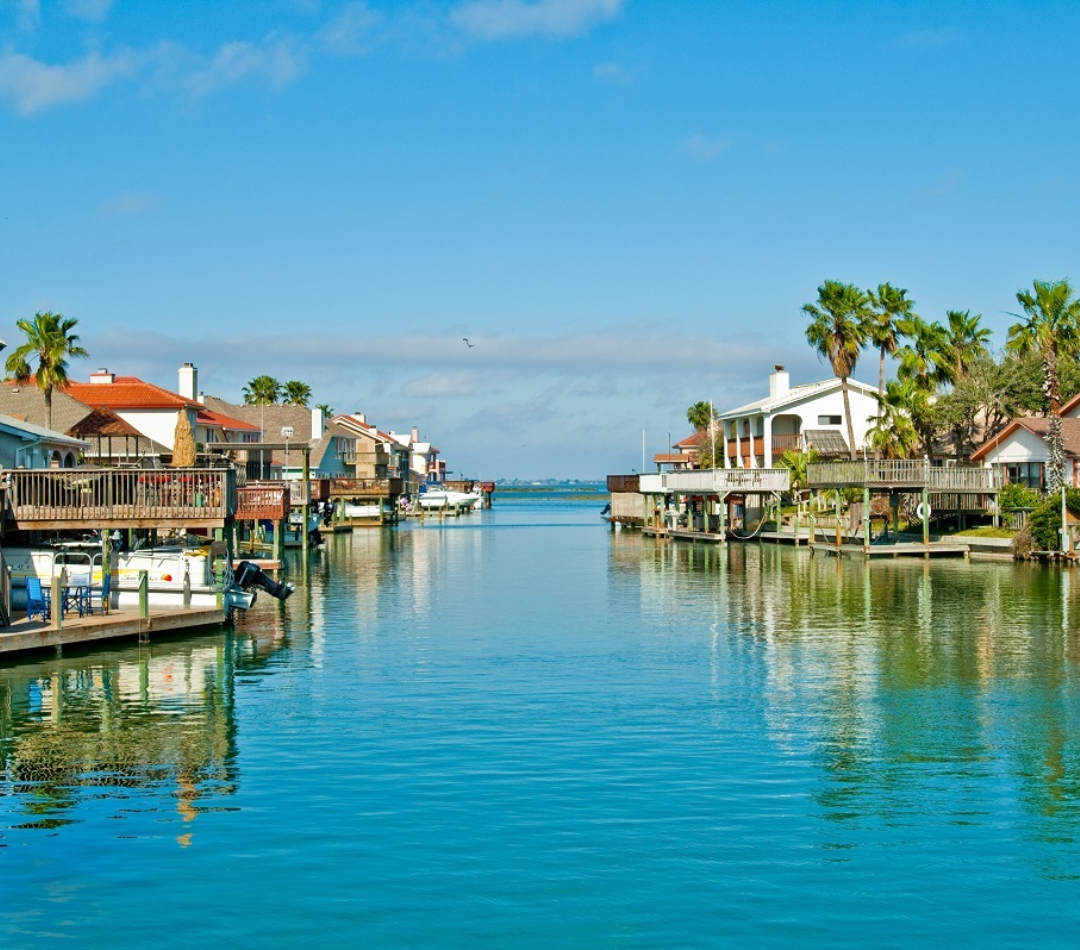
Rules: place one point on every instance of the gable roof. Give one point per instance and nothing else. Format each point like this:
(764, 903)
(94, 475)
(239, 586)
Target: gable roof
(208, 417)
(128, 392)
(26, 401)
(34, 433)
(698, 438)
(770, 404)
(104, 421)
(1040, 426)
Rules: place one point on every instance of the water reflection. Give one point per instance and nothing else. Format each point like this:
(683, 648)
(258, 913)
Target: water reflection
(934, 696)
(131, 728)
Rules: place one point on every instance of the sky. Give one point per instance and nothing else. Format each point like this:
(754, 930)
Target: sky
(621, 204)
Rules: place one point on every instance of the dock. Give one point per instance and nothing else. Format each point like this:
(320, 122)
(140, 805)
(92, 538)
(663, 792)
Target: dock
(23, 635)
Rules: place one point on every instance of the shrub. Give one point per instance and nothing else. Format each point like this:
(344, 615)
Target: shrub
(1014, 496)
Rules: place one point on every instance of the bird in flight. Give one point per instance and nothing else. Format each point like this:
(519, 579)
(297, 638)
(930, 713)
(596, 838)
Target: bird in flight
(467, 343)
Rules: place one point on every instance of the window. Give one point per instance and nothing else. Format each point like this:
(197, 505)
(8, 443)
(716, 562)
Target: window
(1028, 474)
(830, 420)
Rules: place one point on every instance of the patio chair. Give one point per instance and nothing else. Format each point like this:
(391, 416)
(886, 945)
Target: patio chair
(99, 594)
(36, 602)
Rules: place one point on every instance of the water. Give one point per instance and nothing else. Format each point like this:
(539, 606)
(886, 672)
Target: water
(522, 730)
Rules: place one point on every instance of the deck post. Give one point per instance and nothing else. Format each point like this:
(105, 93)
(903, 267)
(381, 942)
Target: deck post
(306, 517)
(839, 528)
(144, 595)
(926, 519)
(56, 593)
(866, 517)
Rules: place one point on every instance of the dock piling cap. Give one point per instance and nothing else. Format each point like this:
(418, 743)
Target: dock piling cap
(218, 549)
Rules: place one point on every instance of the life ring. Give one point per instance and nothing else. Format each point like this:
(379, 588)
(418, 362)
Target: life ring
(922, 511)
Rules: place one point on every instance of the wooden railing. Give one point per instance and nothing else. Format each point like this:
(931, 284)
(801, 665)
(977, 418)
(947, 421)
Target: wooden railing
(622, 483)
(121, 497)
(786, 443)
(366, 487)
(717, 480)
(263, 502)
(904, 473)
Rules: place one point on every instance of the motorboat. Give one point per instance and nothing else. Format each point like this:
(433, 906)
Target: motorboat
(435, 499)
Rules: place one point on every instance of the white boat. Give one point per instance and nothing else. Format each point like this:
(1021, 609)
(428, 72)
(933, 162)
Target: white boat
(176, 576)
(435, 499)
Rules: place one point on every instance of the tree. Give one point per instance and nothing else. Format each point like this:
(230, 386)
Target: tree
(838, 330)
(699, 415)
(327, 412)
(184, 452)
(1052, 329)
(296, 393)
(965, 341)
(48, 339)
(889, 305)
(262, 391)
(902, 410)
(798, 464)
(925, 359)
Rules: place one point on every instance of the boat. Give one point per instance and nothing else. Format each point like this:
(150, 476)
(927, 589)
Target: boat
(435, 499)
(177, 575)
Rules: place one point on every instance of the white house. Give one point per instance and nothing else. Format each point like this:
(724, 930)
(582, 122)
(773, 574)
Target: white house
(1020, 452)
(423, 456)
(798, 418)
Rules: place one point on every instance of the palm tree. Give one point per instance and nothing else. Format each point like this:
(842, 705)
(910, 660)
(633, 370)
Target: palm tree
(327, 412)
(49, 338)
(1052, 329)
(262, 391)
(965, 342)
(890, 305)
(296, 393)
(700, 415)
(838, 330)
(925, 359)
(903, 409)
(798, 465)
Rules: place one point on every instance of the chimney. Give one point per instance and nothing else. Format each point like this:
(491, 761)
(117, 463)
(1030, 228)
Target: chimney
(189, 382)
(103, 377)
(779, 382)
(316, 424)
(416, 433)
(360, 417)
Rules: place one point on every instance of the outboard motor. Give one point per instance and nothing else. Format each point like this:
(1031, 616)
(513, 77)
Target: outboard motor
(248, 575)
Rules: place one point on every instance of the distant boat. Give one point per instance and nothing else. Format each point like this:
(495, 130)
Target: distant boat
(435, 499)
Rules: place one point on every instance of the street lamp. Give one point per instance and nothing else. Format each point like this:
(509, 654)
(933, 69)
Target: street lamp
(286, 433)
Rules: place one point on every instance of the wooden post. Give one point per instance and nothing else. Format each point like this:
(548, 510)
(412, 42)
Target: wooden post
(279, 540)
(926, 520)
(866, 518)
(306, 510)
(56, 593)
(839, 529)
(144, 595)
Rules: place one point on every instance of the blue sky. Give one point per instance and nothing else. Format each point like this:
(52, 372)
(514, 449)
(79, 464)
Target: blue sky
(622, 204)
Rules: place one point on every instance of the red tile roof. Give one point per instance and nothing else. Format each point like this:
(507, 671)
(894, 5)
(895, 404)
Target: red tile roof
(127, 392)
(209, 417)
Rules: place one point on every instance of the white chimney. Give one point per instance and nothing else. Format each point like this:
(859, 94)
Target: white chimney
(189, 382)
(360, 417)
(316, 424)
(416, 433)
(779, 382)
(103, 377)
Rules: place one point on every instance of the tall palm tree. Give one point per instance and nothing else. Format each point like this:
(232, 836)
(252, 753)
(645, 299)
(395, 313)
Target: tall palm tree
(838, 330)
(296, 393)
(890, 304)
(700, 415)
(262, 391)
(1052, 329)
(48, 339)
(902, 411)
(965, 342)
(327, 412)
(925, 359)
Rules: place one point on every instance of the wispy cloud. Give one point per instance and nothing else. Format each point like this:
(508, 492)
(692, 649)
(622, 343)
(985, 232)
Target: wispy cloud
(127, 206)
(29, 14)
(354, 32)
(88, 9)
(704, 148)
(277, 61)
(613, 73)
(513, 19)
(31, 85)
(929, 39)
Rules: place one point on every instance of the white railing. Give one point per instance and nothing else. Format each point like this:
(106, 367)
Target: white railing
(904, 473)
(717, 481)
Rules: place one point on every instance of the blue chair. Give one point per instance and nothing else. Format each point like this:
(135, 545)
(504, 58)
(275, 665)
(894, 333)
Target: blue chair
(100, 594)
(36, 602)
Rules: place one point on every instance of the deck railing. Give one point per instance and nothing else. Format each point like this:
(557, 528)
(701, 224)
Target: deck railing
(903, 473)
(367, 487)
(263, 502)
(622, 483)
(713, 481)
(121, 497)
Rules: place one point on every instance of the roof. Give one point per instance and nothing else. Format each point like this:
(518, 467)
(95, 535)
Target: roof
(26, 401)
(39, 433)
(699, 438)
(127, 392)
(358, 427)
(1040, 426)
(212, 418)
(105, 422)
(769, 404)
(828, 443)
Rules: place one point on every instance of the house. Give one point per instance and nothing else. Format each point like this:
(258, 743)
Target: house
(424, 461)
(687, 454)
(25, 445)
(378, 454)
(297, 425)
(798, 418)
(1020, 453)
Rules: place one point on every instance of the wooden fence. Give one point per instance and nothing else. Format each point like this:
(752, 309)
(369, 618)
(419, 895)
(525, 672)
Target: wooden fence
(64, 499)
(903, 473)
(262, 502)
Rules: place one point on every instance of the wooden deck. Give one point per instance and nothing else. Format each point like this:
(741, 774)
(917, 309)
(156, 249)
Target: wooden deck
(26, 635)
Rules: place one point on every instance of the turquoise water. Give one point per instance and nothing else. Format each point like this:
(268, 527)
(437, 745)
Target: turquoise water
(523, 730)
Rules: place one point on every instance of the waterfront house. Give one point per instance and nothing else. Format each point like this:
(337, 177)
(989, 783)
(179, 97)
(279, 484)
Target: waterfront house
(1019, 451)
(799, 418)
(686, 454)
(25, 445)
(378, 454)
(424, 461)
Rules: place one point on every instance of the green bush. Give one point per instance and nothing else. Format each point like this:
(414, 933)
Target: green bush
(1018, 496)
(1044, 523)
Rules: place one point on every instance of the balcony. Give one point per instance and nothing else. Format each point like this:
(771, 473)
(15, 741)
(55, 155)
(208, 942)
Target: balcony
(367, 487)
(62, 499)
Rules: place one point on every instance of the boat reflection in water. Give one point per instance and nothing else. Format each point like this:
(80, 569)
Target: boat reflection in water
(147, 729)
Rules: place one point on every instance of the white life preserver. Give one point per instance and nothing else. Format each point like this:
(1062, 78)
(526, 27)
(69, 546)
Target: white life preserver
(922, 512)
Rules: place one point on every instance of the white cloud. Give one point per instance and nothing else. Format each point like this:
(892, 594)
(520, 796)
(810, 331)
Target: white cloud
(355, 32)
(31, 85)
(512, 19)
(126, 206)
(278, 62)
(88, 9)
(703, 148)
(613, 73)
